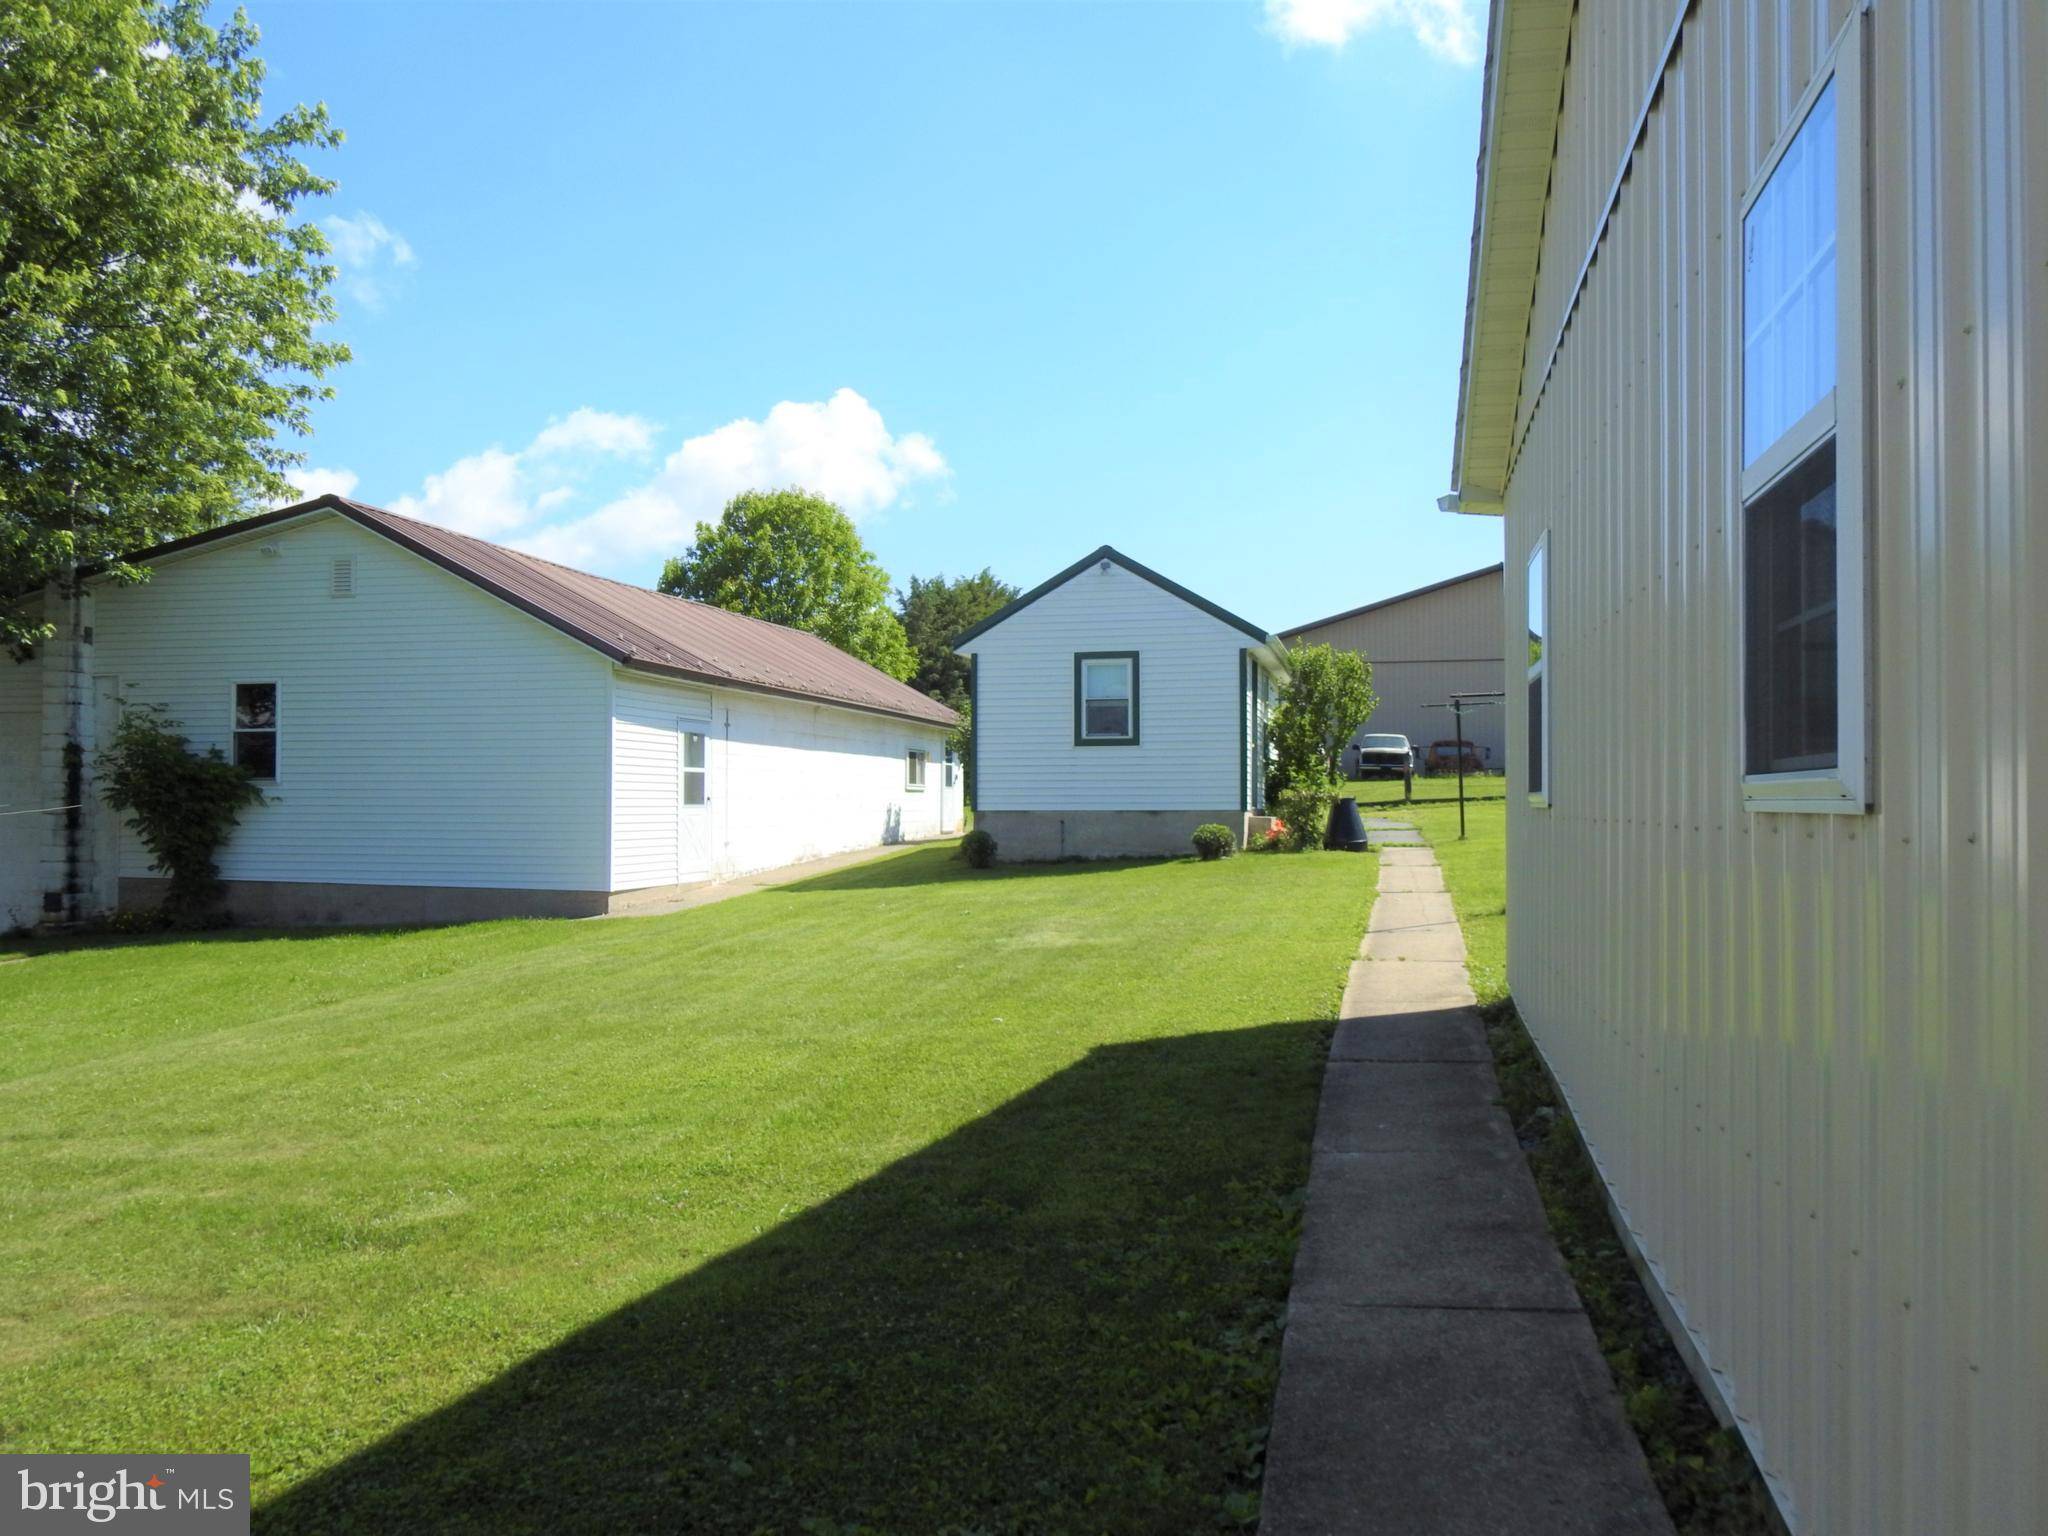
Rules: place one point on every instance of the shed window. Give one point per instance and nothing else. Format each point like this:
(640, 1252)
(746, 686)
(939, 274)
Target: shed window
(914, 763)
(1539, 672)
(1106, 698)
(255, 744)
(1801, 476)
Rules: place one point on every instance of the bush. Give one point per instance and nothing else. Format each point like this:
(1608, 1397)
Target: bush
(978, 848)
(183, 805)
(1305, 811)
(1213, 840)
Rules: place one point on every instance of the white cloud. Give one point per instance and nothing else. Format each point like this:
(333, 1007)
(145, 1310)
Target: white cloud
(484, 494)
(839, 448)
(587, 430)
(1448, 28)
(311, 481)
(368, 251)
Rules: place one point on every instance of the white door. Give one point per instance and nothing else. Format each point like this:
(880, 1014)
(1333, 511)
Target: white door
(693, 811)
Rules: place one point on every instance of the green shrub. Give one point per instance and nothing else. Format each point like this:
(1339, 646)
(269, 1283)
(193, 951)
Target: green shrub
(978, 848)
(183, 804)
(1305, 808)
(1213, 840)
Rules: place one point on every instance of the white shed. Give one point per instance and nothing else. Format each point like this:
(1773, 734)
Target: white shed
(446, 729)
(1114, 712)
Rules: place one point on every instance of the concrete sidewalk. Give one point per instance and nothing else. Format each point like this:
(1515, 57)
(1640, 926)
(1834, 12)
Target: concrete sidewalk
(1438, 1374)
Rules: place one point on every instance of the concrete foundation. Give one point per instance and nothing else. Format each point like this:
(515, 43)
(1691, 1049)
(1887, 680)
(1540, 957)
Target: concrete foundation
(1030, 836)
(306, 903)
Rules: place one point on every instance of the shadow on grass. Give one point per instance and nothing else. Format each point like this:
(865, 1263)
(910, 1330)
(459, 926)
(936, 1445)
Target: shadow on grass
(1063, 1316)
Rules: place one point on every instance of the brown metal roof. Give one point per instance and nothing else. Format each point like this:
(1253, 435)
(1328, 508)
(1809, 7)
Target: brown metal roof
(648, 631)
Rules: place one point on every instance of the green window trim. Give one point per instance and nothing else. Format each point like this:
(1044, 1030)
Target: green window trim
(1081, 660)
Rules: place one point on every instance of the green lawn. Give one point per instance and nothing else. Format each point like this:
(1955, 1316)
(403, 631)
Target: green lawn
(906, 1198)
(1475, 869)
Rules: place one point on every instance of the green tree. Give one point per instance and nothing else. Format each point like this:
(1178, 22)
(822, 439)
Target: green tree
(157, 301)
(794, 558)
(933, 611)
(1327, 697)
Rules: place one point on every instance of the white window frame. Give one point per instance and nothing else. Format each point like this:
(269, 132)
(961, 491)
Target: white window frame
(917, 762)
(275, 730)
(688, 731)
(1538, 670)
(1845, 788)
(1083, 736)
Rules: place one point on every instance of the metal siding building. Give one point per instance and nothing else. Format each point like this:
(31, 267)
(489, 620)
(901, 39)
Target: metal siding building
(1804, 1049)
(1424, 646)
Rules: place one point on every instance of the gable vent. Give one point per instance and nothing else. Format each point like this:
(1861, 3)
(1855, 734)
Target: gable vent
(341, 580)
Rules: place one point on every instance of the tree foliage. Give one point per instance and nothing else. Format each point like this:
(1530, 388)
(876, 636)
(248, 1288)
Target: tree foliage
(1327, 697)
(794, 558)
(933, 611)
(181, 803)
(157, 301)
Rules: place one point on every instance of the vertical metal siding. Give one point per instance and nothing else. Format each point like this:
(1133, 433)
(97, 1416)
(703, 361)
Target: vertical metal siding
(1805, 1049)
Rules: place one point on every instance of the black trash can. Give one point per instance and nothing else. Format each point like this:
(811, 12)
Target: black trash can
(1347, 828)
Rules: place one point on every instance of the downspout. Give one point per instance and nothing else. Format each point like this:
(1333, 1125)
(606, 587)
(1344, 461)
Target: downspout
(66, 695)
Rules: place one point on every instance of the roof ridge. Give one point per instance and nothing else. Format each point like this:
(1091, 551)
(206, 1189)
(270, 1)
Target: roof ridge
(613, 581)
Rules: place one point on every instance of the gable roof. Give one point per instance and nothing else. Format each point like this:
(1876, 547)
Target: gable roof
(1195, 599)
(1528, 44)
(647, 631)
(1388, 602)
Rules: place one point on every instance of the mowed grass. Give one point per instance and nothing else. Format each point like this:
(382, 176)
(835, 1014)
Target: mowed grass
(1475, 869)
(908, 1198)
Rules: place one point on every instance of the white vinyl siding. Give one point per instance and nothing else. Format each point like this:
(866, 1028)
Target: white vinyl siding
(433, 734)
(787, 780)
(1191, 711)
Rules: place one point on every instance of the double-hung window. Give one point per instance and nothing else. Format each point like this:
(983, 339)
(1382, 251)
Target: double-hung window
(255, 734)
(914, 763)
(1802, 483)
(1106, 699)
(1538, 693)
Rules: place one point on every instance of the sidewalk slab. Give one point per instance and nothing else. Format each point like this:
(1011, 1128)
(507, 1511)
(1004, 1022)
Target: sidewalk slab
(1408, 858)
(1445, 1035)
(1446, 1227)
(1415, 986)
(1376, 1106)
(1419, 1421)
(1410, 879)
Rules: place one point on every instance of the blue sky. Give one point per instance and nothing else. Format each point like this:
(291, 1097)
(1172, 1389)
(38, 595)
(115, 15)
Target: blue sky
(1007, 281)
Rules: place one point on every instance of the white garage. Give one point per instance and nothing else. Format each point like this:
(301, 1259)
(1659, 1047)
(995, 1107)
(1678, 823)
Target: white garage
(446, 729)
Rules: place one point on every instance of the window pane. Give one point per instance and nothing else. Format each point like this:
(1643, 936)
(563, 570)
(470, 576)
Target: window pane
(1105, 680)
(693, 749)
(1789, 534)
(1788, 286)
(1536, 728)
(1538, 616)
(1107, 717)
(255, 706)
(257, 752)
(693, 785)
